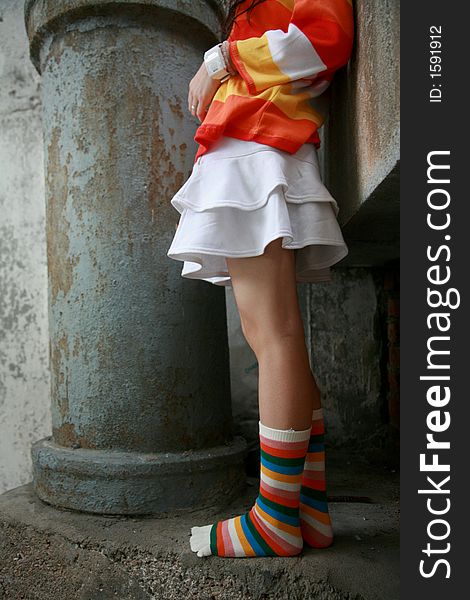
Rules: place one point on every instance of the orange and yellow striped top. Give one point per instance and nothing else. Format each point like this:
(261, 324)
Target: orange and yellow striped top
(286, 53)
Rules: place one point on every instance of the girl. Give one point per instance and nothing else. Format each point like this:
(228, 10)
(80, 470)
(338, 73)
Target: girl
(256, 216)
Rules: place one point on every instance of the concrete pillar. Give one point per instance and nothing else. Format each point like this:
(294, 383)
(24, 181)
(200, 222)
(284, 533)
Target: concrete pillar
(140, 389)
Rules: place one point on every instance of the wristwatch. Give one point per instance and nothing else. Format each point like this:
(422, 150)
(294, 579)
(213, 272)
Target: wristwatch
(215, 63)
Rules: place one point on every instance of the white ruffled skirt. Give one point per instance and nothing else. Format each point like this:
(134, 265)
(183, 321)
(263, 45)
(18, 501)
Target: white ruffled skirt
(241, 196)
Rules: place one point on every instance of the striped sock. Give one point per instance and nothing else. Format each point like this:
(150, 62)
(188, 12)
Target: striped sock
(315, 520)
(272, 526)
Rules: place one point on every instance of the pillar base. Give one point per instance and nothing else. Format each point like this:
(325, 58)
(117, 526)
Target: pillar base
(131, 483)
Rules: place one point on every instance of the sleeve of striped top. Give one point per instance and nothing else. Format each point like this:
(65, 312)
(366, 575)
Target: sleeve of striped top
(318, 40)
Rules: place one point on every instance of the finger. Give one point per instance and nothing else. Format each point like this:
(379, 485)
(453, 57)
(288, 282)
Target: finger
(192, 102)
(201, 111)
(194, 107)
(190, 94)
(202, 114)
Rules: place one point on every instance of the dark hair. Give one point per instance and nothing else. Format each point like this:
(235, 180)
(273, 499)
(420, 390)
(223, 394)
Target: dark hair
(232, 12)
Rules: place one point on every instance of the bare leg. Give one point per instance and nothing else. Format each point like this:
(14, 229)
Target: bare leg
(266, 295)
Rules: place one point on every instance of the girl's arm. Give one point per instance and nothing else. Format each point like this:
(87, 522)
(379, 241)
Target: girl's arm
(319, 39)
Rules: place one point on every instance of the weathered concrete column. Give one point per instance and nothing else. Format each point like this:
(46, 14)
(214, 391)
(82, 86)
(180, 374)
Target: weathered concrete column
(139, 357)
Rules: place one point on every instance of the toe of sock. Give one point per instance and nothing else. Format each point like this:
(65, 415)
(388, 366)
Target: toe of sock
(205, 551)
(200, 540)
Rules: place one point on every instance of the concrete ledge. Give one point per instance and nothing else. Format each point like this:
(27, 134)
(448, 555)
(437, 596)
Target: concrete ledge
(373, 233)
(136, 483)
(63, 554)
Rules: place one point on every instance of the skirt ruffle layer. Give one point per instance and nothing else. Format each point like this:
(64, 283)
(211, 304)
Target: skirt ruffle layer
(243, 195)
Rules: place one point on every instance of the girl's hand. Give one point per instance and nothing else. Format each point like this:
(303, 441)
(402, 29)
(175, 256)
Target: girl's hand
(201, 91)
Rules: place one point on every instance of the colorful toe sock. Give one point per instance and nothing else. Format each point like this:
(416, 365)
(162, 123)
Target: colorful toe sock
(271, 527)
(315, 520)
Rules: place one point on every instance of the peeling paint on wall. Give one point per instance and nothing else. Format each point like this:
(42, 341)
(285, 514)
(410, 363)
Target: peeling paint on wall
(24, 365)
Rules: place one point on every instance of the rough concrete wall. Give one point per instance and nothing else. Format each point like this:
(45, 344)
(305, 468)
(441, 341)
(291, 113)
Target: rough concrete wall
(363, 127)
(24, 369)
(359, 157)
(346, 341)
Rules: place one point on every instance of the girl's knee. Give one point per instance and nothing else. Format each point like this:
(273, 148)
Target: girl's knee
(262, 331)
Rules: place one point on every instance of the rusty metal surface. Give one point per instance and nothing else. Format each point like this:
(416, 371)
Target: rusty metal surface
(139, 356)
(45, 17)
